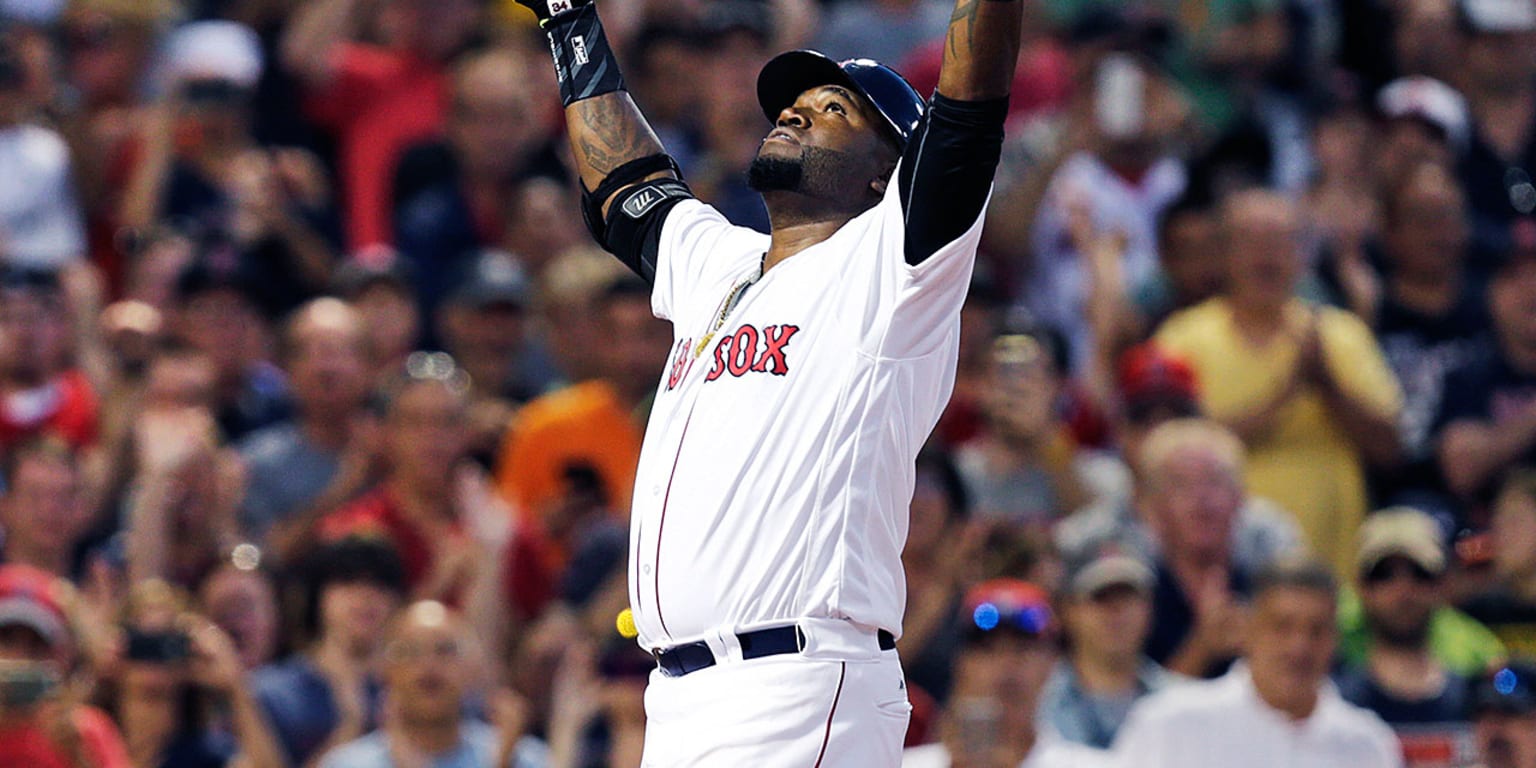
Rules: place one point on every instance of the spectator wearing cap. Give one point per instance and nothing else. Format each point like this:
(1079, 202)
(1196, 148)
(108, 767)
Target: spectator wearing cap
(43, 392)
(381, 286)
(484, 322)
(1306, 388)
(1430, 318)
(597, 419)
(1024, 469)
(1507, 605)
(329, 692)
(327, 453)
(1424, 121)
(42, 723)
(43, 511)
(200, 167)
(1277, 708)
(1497, 74)
(376, 99)
(218, 313)
(1155, 387)
(1504, 716)
(1487, 418)
(1007, 655)
(41, 224)
(1397, 674)
(1106, 610)
(454, 197)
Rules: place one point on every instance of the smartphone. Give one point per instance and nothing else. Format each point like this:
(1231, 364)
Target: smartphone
(1120, 86)
(158, 647)
(24, 684)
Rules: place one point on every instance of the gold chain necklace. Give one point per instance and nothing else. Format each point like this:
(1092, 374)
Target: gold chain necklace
(725, 310)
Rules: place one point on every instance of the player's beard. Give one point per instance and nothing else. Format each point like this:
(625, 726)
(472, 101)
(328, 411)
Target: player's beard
(815, 172)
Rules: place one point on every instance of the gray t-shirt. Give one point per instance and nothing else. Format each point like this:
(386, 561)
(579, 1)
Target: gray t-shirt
(285, 473)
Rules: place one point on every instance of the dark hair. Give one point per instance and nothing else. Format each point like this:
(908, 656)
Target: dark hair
(46, 446)
(1304, 573)
(350, 560)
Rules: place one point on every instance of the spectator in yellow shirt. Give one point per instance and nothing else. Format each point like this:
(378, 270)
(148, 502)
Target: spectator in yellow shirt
(1306, 388)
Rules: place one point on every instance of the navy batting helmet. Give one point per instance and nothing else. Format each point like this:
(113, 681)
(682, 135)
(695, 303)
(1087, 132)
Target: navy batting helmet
(789, 74)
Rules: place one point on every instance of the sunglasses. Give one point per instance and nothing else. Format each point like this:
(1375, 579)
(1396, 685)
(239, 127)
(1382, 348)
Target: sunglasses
(1394, 568)
(990, 619)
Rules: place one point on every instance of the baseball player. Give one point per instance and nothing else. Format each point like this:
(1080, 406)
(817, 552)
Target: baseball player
(809, 366)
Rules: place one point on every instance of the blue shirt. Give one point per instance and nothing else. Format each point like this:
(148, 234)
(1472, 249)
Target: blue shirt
(299, 704)
(476, 749)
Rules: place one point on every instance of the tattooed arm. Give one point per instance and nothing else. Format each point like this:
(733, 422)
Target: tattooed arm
(946, 173)
(606, 132)
(981, 49)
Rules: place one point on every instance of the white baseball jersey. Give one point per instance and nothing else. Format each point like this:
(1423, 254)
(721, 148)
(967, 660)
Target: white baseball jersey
(777, 468)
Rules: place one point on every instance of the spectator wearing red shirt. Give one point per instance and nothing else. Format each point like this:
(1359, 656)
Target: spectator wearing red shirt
(39, 392)
(39, 727)
(459, 542)
(377, 100)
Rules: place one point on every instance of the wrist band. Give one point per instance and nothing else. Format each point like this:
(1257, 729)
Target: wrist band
(584, 63)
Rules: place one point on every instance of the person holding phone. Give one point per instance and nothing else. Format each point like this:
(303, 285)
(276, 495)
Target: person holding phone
(180, 692)
(42, 724)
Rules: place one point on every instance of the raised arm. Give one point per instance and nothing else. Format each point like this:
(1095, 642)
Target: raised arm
(981, 49)
(617, 154)
(946, 171)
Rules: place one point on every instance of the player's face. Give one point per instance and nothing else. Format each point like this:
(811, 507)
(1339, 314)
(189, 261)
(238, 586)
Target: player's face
(827, 144)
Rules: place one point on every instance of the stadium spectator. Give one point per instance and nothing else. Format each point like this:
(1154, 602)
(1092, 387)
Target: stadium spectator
(40, 221)
(1276, 708)
(1429, 321)
(1023, 468)
(938, 559)
(41, 391)
(1193, 487)
(376, 99)
(1008, 652)
(307, 465)
(218, 313)
(328, 693)
(429, 668)
(240, 598)
(454, 197)
(1497, 74)
(1508, 605)
(1504, 703)
(43, 511)
(1401, 574)
(43, 721)
(381, 286)
(1153, 388)
(1106, 612)
(1305, 388)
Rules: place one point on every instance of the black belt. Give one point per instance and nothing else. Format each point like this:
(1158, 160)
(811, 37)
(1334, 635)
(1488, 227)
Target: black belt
(692, 657)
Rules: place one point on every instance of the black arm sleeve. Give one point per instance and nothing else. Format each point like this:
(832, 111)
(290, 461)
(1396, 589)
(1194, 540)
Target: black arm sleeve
(633, 231)
(947, 170)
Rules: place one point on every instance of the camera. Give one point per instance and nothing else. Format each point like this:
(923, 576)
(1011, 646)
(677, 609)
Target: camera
(158, 647)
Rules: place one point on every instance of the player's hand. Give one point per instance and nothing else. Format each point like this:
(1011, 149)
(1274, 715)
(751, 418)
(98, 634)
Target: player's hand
(548, 9)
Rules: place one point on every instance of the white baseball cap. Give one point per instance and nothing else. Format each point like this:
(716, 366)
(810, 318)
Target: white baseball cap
(215, 50)
(1429, 100)
(1401, 532)
(1499, 16)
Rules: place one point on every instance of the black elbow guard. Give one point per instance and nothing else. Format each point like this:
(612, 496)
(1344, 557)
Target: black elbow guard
(635, 219)
(632, 172)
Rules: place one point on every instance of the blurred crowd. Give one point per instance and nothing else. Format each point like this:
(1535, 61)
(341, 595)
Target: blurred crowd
(319, 411)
